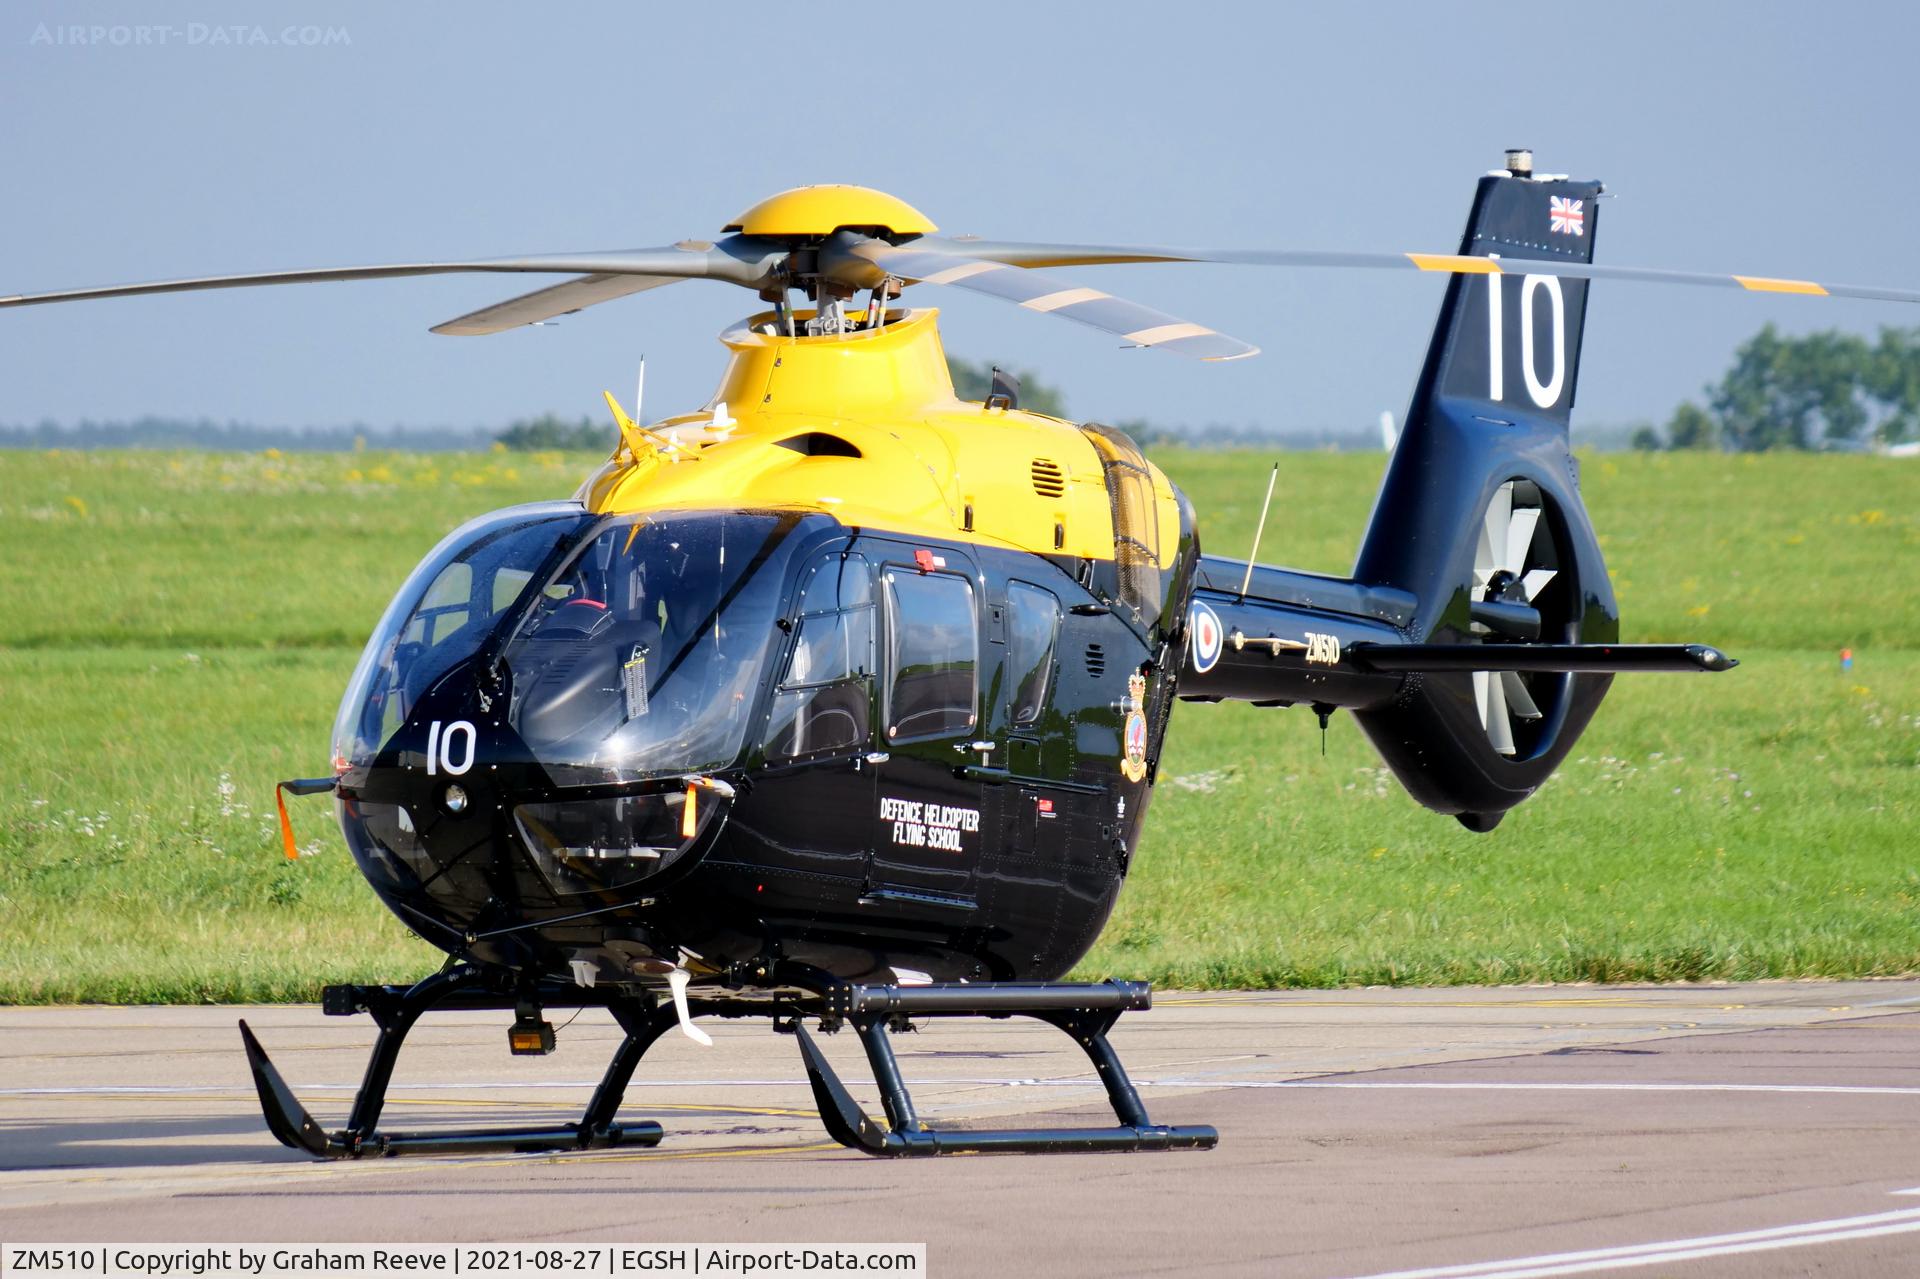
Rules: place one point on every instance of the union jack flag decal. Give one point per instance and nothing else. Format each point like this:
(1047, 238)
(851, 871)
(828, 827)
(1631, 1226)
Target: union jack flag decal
(1565, 216)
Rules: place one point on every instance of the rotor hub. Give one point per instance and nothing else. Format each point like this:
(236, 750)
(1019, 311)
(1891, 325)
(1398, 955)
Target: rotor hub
(816, 212)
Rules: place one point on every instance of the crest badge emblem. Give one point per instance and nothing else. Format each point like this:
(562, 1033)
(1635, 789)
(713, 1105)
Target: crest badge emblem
(1133, 761)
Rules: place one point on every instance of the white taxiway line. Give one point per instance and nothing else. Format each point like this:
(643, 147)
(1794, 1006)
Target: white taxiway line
(1869, 1090)
(166, 1090)
(1801, 1235)
(1890, 1003)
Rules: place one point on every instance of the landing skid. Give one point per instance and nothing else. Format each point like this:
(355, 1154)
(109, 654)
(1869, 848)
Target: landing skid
(1085, 1012)
(395, 1009)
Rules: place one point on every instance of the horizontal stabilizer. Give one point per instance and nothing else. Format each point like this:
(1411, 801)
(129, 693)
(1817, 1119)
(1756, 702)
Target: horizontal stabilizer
(1620, 659)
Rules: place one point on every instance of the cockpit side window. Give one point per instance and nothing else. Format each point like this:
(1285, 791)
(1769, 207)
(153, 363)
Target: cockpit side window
(933, 652)
(1033, 623)
(444, 608)
(823, 703)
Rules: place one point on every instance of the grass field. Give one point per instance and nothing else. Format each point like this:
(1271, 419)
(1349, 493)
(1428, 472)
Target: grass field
(175, 630)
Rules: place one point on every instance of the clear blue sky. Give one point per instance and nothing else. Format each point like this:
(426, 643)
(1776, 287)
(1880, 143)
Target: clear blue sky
(1762, 138)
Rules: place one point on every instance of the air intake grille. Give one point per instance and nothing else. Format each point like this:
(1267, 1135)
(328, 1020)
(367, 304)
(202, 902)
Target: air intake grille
(1048, 479)
(1096, 661)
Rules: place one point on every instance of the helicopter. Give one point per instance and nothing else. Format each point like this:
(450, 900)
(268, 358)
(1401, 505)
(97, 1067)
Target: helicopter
(840, 701)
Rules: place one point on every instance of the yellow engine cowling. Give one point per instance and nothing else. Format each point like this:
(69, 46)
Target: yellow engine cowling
(865, 426)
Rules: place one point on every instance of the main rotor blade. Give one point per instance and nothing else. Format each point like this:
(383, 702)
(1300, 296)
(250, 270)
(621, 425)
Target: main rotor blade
(1052, 295)
(543, 304)
(740, 260)
(1016, 253)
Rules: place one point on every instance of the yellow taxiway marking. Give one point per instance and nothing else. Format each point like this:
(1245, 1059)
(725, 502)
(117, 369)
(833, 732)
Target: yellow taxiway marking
(221, 1050)
(599, 1157)
(771, 1112)
(1228, 1001)
(526, 1103)
(376, 1165)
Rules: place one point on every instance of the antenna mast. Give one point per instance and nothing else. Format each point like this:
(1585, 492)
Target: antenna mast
(1259, 528)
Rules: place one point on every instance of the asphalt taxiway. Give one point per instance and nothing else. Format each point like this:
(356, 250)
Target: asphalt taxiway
(1768, 1129)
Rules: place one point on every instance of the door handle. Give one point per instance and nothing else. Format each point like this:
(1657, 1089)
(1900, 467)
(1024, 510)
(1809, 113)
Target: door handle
(985, 748)
(878, 757)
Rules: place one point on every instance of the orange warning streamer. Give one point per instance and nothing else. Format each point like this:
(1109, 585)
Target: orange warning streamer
(286, 823)
(298, 786)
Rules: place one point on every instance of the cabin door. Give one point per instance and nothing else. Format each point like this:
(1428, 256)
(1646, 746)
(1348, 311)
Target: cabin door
(936, 671)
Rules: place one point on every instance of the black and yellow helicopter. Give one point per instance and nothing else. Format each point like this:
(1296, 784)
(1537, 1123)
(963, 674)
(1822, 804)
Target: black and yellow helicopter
(840, 700)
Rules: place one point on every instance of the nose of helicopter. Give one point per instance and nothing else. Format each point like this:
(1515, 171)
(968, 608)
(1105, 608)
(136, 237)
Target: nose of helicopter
(466, 836)
(537, 727)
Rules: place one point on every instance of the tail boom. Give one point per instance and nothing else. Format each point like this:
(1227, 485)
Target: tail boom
(1283, 652)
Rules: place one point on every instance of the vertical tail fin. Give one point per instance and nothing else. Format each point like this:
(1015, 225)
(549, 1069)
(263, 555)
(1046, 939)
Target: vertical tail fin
(1507, 341)
(1480, 516)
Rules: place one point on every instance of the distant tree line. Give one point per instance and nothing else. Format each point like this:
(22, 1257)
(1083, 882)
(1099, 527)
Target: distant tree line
(550, 432)
(1823, 390)
(973, 380)
(153, 432)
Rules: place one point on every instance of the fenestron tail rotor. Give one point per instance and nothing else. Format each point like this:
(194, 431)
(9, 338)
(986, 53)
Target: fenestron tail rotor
(1511, 570)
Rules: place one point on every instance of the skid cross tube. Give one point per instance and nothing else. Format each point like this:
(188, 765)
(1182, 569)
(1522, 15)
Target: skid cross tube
(1084, 1012)
(395, 1009)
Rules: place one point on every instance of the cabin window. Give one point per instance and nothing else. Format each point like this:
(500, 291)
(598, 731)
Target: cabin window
(446, 607)
(933, 654)
(1033, 622)
(507, 585)
(822, 704)
(1136, 518)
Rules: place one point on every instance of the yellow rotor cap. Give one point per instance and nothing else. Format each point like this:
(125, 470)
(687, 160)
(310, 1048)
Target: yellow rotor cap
(822, 210)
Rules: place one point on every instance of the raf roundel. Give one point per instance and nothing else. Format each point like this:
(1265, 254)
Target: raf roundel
(1205, 637)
